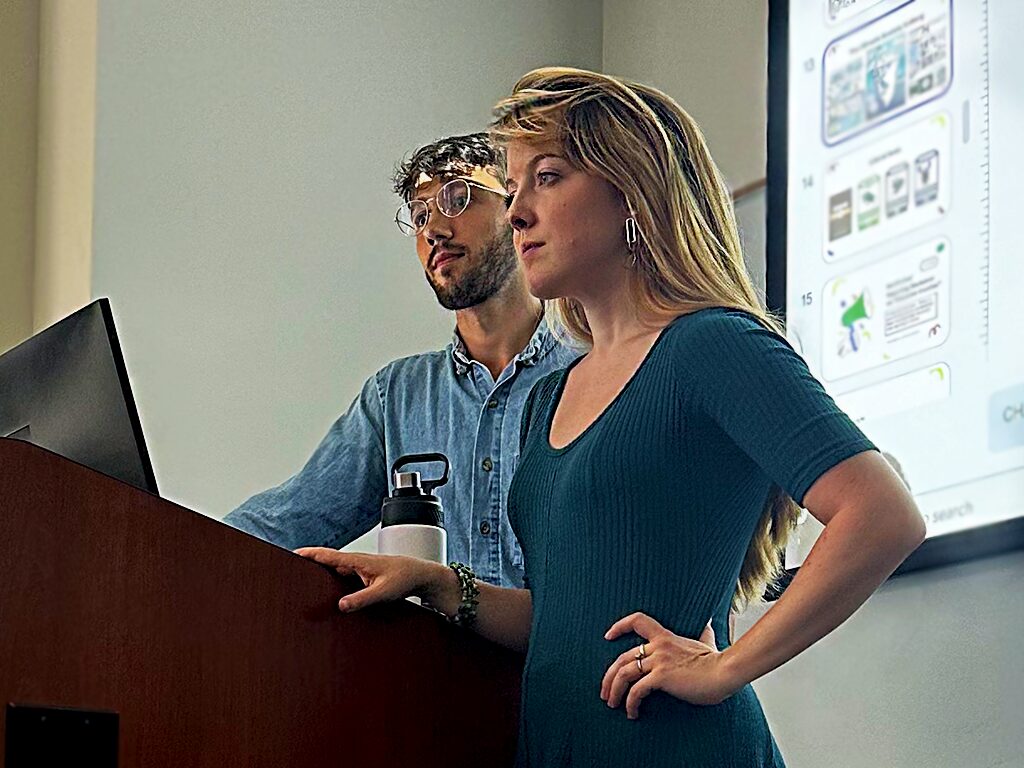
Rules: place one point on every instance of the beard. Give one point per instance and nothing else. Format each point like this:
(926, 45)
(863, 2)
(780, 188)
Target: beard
(496, 262)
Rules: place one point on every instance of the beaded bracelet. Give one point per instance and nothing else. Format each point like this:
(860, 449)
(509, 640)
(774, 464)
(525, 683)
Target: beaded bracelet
(466, 614)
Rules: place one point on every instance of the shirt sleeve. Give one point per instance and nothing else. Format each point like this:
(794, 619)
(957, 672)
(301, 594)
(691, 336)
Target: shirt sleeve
(759, 391)
(336, 497)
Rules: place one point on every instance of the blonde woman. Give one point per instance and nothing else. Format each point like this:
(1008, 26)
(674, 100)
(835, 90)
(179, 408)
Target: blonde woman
(660, 473)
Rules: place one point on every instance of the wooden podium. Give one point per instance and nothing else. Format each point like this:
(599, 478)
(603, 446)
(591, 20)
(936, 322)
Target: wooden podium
(218, 649)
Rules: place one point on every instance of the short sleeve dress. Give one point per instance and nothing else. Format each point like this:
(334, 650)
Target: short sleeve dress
(652, 509)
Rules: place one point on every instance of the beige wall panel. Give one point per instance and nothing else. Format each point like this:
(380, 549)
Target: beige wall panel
(19, 85)
(67, 117)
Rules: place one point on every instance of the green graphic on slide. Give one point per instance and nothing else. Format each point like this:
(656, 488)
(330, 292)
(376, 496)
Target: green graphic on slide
(855, 315)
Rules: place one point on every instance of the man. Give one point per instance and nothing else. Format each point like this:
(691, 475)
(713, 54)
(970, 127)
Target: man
(464, 401)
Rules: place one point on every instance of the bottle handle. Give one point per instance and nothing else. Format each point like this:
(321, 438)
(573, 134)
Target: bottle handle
(423, 458)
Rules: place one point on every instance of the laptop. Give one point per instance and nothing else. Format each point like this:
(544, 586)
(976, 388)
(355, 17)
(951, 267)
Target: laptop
(66, 389)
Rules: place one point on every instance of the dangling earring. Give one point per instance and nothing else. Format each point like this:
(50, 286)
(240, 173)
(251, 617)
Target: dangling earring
(632, 239)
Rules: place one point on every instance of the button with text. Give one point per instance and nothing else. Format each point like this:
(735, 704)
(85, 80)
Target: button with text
(1006, 418)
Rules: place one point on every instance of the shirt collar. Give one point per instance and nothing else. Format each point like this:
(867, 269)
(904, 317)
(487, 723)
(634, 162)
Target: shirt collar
(460, 355)
(541, 342)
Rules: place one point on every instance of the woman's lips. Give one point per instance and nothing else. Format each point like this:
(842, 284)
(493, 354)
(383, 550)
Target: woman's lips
(530, 248)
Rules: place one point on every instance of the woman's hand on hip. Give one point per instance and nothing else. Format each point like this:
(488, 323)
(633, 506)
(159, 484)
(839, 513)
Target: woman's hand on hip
(688, 669)
(385, 577)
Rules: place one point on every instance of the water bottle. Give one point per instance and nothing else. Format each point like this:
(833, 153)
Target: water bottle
(411, 518)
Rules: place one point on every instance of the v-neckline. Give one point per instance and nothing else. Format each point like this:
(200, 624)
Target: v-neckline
(560, 389)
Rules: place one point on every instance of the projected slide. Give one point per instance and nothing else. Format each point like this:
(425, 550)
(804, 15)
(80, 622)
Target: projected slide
(879, 192)
(887, 311)
(880, 70)
(904, 279)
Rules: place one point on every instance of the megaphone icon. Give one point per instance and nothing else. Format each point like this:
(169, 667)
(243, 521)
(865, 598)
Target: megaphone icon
(861, 309)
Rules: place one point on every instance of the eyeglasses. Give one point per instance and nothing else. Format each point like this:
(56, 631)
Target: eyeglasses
(451, 200)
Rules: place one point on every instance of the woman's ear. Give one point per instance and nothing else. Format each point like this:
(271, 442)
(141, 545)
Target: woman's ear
(625, 207)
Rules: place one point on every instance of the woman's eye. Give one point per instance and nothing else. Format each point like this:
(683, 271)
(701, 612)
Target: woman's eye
(546, 177)
(508, 200)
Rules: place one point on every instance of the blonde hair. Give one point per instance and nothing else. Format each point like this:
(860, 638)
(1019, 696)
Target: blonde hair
(688, 256)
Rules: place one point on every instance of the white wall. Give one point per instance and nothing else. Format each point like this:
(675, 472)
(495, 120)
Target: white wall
(243, 211)
(928, 673)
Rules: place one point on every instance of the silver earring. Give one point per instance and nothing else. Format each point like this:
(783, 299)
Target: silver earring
(632, 233)
(632, 238)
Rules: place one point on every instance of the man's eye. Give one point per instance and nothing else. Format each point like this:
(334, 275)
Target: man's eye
(508, 200)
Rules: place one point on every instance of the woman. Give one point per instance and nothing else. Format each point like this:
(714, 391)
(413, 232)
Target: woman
(658, 473)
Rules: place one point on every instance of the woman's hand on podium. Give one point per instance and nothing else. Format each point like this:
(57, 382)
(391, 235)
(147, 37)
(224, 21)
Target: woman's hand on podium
(389, 577)
(504, 615)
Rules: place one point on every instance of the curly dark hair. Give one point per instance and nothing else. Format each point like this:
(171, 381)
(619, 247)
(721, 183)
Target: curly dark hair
(454, 152)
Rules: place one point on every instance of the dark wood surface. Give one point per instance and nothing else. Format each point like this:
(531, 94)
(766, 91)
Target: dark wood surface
(218, 649)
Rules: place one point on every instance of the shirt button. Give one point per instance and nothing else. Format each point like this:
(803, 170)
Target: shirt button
(485, 527)
(492, 404)
(487, 464)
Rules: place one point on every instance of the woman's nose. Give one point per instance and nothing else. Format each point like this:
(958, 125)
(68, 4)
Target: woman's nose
(519, 216)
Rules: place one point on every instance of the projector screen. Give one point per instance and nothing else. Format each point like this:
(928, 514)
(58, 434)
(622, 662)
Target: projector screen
(893, 250)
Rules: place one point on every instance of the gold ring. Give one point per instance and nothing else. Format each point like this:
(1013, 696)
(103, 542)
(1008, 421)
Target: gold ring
(640, 663)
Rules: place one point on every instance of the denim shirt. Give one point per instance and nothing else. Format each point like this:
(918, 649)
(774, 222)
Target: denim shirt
(433, 402)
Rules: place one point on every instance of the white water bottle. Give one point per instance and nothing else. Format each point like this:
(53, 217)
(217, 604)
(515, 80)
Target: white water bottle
(411, 518)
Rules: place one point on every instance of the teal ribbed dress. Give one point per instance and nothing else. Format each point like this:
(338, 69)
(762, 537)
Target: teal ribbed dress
(652, 509)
